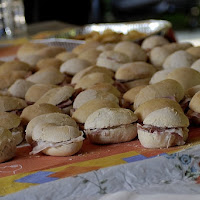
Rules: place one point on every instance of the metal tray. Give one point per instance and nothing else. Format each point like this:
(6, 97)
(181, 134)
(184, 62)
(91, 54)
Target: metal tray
(148, 27)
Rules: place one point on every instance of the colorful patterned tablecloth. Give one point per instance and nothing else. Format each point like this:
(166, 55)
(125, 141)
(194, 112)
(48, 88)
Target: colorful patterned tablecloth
(27, 170)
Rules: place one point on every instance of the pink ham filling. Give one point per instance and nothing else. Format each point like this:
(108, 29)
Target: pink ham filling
(42, 145)
(178, 132)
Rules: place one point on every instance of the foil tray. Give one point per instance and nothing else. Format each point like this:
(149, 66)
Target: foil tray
(148, 27)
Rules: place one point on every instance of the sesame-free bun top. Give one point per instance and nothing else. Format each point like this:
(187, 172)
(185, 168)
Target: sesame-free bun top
(196, 65)
(106, 87)
(74, 65)
(130, 95)
(64, 56)
(153, 41)
(91, 94)
(112, 59)
(187, 77)
(179, 59)
(195, 103)
(90, 55)
(36, 91)
(132, 50)
(155, 104)
(192, 91)
(90, 70)
(56, 95)
(35, 110)
(48, 62)
(106, 47)
(92, 79)
(160, 76)
(195, 51)
(49, 75)
(9, 120)
(19, 88)
(134, 71)
(6, 140)
(52, 118)
(167, 88)
(11, 103)
(14, 65)
(172, 118)
(82, 113)
(110, 117)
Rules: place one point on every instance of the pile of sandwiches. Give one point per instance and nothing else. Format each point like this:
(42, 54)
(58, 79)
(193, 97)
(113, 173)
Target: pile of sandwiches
(106, 92)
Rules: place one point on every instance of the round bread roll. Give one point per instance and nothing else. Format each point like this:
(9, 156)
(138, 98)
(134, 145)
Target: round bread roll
(133, 71)
(111, 125)
(194, 103)
(87, 45)
(112, 59)
(14, 65)
(92, 79)
(195, 51)
(74, 65)
(91, 94)
(158, 55)
(7, 145)
(167, 88)
(159, 132)
(90, 55)
(154, 104)
(64, 56)
(11, 103)
(132, 50)
(51, 118)
(160, 76)
(196, 65)
(49, 75)
(153, 41)
(82, 113)
(106, 87)
(36, 91)
(175, 46)
(50, 51)
(187, 77)
(35, 110)
(178, 59)
(90, 70)
(7, 79)
(57, 95)
(12, 122)
(56, 139)
(135, 83)
(19, 88)
(48, 62)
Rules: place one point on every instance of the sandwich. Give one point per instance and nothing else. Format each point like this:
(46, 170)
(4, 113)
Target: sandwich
(196, 65)
(7, 145)
(19, 88)
(132, 50)
(90, 70)
(36, 91)
(167, 88)
(12, 104)
(160, 76)
(194, 109)
(93, 78)
(162, 124)
(111, 125)
(64, 56)
(153, 41)
(186, 76)
(49, 75)
(12, 122)
(195, 51)
(55, 135)
(60, 97)
(179, 59)
(73, 66)
(35, 110)
(48, 62)
(112, 60)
